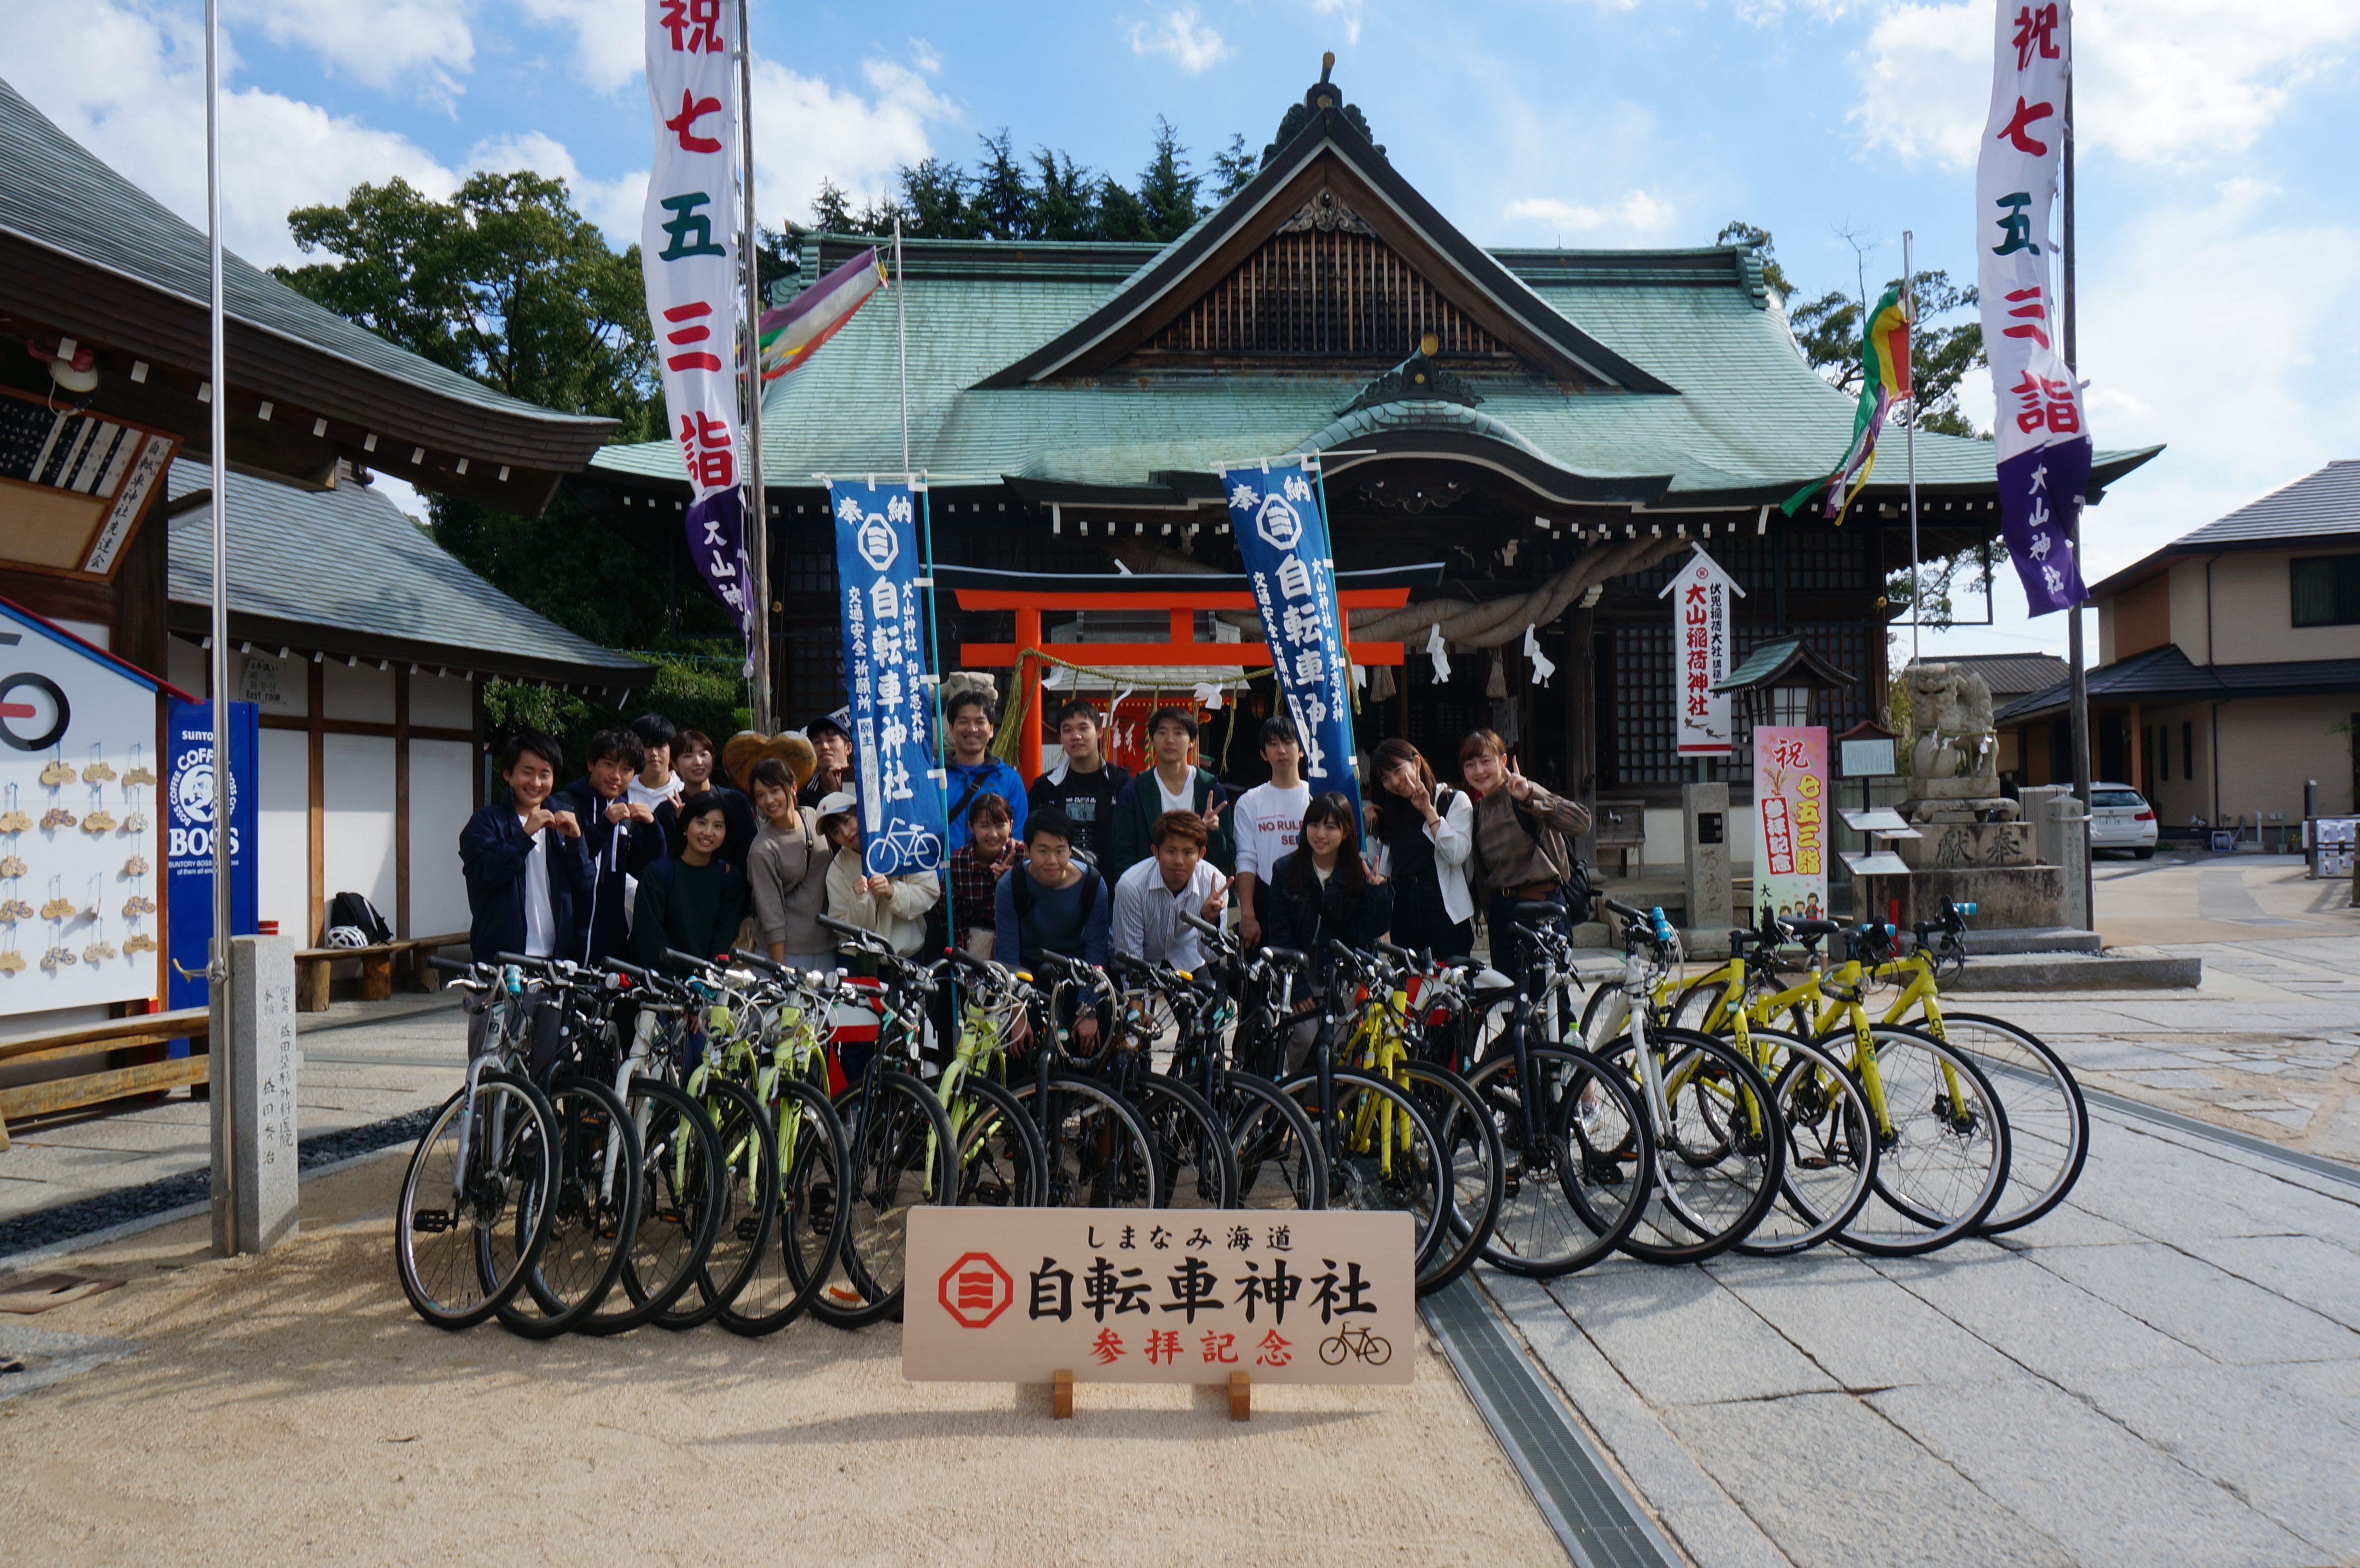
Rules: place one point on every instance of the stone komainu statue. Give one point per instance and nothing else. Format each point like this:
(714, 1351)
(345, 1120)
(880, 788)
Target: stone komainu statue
(1953, 750)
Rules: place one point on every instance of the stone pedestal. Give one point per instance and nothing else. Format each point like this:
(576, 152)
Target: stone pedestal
(253, 1072)
(2004, 896)
(1704, 812)
(1958, 847)
(2071, 853)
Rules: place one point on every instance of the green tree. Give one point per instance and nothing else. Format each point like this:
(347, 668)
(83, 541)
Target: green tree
(1062, 206)
(1167, 191)
(505, 282)
(1233, 166)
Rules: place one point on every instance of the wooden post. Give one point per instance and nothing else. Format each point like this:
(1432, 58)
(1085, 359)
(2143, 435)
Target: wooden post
(400, 805)
(1240, 1395)
(1061, 1396)
(317, 848)
(1028, 753)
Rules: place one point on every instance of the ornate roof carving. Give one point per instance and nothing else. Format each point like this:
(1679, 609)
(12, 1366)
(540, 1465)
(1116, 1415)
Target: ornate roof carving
(1323, 94)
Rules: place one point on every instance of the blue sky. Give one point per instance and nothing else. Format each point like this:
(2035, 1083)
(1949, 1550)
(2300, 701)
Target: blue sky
(2219, 231)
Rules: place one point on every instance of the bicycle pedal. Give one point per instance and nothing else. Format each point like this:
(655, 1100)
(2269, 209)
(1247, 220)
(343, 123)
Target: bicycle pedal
(430, 1222)
(671, 1216)
(747, 1229)
(844, 1296)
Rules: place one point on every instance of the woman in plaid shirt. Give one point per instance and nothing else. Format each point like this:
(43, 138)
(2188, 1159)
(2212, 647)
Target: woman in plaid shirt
(976, 867)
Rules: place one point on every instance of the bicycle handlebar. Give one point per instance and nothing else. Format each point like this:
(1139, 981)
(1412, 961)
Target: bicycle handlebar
(1199, 923)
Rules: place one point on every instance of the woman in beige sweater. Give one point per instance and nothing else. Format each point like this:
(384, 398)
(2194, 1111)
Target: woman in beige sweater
(789, 871)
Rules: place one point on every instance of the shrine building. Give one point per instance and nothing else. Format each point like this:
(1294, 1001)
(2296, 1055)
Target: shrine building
(1554, 428)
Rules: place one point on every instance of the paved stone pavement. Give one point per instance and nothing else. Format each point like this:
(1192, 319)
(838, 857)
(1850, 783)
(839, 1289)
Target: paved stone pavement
(2166, 1370)
(361, 1062)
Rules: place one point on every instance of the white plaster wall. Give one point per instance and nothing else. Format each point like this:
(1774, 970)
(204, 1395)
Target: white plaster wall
(358, 830)
(442, 795)
(282, 869)
(294, 682)
(363, 693)
(442, 702)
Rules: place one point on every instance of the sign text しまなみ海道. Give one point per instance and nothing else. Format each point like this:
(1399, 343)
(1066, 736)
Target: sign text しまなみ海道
(1159, 1296)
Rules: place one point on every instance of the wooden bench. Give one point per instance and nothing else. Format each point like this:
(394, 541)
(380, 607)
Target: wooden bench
(376, 961)
(108, 1082)
(1622, 825)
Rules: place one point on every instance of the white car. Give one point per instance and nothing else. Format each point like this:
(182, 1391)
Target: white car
(2120, 818)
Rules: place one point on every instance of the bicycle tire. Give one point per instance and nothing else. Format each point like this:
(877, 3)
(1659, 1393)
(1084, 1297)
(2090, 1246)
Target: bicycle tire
(1695, 1005)
(1830, 1156)
(1367, 1181)
(1279, 1166)
(592, 1218)
(747, 1196)
(1002, 1163)
(679, 1169)
(1477, 1162)
(1713, 1184)
(2047, 1119)
(810, 1157)
(899, 1157)
(1100, 1152)
(1941, 1170)
(1198, 1167)
(457, 1283)
(1572, 1203)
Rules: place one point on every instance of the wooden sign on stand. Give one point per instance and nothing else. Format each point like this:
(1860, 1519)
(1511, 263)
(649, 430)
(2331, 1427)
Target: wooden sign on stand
(1228, 1297)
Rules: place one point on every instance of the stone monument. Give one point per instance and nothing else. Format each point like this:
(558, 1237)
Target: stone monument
(1974, 846)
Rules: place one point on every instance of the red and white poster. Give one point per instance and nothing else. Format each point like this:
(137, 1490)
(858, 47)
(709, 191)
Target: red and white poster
(1790, 827)
(1700, 591)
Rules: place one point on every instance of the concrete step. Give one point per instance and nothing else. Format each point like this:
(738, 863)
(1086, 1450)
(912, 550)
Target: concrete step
(2032, 939)
(2078, 971)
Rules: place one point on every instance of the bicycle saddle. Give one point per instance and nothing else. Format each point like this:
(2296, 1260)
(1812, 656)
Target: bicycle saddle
(1537, 909)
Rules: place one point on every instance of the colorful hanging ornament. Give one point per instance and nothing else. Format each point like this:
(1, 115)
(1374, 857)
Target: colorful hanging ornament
(11, 962)
(59, 908)
(136, 822)
(13, 821)
(56, 817)
(136, 867)
(57, 958)
(12, 866)
(139, 773)
(99, 821)
(100, 770)
(15, 909)
(59, 773)
(138, 904)
(137, 942)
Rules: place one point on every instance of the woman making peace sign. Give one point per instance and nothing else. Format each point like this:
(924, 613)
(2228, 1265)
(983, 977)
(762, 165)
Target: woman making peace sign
(1523, 836)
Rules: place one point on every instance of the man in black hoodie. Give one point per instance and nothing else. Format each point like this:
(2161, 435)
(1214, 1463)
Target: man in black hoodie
(623, 839)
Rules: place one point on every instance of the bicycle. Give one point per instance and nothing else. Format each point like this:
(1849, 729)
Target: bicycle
(474, 1213)
(1102, 1153)
(1361, 1343)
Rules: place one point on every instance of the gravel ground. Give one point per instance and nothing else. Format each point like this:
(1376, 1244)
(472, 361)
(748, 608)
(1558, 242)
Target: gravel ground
(291, 1408)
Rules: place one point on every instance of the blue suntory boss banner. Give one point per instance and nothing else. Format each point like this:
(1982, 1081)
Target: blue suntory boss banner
(192, 812)
(1282, 539)
(885, 666)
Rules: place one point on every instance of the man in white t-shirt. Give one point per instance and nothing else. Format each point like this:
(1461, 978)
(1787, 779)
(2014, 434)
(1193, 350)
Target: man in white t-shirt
(1267, 820)
(1153, 894)
(657, 785)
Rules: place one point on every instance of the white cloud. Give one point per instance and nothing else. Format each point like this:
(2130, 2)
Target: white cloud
(1183, 36)
(2158, 81)
(615, 205)
(1350, 10)
(805, 129)
(609, 39)
(1641, 211)
(128, 82)
(374, 41)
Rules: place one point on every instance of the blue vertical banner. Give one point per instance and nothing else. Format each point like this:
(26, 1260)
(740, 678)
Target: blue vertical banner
(1283, 537)
(885, 666)
(191, 806)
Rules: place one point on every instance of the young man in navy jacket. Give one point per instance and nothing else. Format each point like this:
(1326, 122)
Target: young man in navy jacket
(528, 872)
(623, 838)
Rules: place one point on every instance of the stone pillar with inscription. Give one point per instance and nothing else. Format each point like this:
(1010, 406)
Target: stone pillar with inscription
(254, 1198)
(1704, 809)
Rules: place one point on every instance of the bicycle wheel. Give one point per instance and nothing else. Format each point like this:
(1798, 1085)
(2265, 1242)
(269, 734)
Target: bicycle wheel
(458, 1244)
(1578, 1158)
(1830, 1156)
(747, 1199)
(1718, 1160)
(1695, 1005)
(1191, 1147)
(1002, 1162)
(680, 1204)
(1279, 1162)
(1386, 1158)
(1100, 1153)
(594, 1212)
(1471, 1153)
(901, 1154)
(1942, 1152)
(2048, 1121)
(808, 1151)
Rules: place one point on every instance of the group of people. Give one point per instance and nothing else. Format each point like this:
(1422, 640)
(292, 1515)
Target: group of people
(654, 851)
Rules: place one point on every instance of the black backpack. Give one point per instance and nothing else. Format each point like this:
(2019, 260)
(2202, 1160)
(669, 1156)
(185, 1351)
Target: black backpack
(351, 909)
(1022, 894)
(1573, 873)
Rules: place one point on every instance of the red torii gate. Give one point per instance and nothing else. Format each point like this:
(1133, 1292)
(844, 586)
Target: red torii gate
(1180, 649)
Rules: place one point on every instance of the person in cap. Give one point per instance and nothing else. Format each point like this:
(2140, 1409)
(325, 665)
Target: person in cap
(831, 772)
(895, 907)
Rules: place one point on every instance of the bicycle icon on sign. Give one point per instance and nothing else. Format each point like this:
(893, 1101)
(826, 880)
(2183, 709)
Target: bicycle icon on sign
(905, 846)
(1357, 1342)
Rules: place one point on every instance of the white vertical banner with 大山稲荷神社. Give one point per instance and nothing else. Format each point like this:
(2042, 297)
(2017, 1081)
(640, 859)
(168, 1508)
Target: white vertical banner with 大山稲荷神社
(1700, 591)
(688, 241)
(1790, 828)
(1283, 540)
(2043, 440)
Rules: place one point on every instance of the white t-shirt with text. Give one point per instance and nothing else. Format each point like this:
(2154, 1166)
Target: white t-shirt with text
(1267, 820)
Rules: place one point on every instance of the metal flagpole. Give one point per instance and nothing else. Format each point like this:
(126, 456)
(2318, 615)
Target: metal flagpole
(1909, 431)
(217, 989)
(757, 520)
(2079, 707)
(902, 345)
